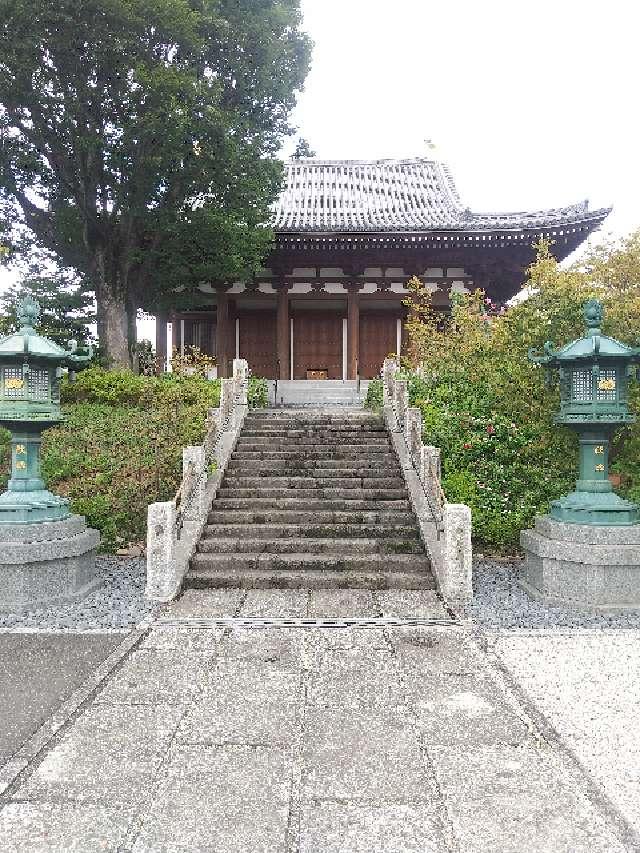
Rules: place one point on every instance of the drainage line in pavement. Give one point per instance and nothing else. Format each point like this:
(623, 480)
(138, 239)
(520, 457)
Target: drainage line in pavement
(261, 622)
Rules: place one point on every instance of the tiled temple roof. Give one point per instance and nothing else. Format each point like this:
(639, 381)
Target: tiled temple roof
(338, 196)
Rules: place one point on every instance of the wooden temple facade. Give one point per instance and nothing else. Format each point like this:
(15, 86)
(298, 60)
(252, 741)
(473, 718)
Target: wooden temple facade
(349, 235)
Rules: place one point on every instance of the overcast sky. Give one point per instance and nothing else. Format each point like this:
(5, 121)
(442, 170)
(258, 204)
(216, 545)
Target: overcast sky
(532, 105)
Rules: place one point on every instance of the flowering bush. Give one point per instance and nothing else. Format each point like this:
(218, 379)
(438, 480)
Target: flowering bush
(488, 408)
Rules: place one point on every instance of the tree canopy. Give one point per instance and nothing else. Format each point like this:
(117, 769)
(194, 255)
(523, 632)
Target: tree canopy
(138, 139)
(67, 310)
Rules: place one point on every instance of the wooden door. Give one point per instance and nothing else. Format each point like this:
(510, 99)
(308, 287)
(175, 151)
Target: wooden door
(258, 342)
(377, 340)
(317, 343)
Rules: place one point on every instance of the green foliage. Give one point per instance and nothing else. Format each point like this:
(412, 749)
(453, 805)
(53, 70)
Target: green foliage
(488, 408)
(120, 447)
(373, 400)
(140, 140)
(258, 393)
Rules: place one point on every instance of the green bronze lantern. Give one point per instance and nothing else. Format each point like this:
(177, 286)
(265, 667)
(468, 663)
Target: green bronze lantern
(594, 381)
(31, 367)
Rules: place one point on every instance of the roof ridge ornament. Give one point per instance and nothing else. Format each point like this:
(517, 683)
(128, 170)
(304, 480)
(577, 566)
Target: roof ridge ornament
(28, 312)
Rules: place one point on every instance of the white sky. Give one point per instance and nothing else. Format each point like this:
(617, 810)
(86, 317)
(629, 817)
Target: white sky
(532, 105)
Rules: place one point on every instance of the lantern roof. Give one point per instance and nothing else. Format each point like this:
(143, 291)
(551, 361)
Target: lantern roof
(594, 346)
(27, 342)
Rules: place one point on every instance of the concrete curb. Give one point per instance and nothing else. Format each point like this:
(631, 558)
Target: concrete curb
(13, 771)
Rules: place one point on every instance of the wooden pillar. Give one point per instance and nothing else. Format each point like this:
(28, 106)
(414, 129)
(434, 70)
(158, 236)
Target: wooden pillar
(222, 332)
(353, 331)
(161, 342)
(283, 332)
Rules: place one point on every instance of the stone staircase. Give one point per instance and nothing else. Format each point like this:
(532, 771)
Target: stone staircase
(311, 499)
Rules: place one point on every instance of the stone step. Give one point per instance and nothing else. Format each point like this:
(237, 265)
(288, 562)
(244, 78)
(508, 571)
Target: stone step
(313, 530)
(311, 545)
(281, 442)
(241, 578)
(316, 453)
(323, 482)
(317, 467)
(333, 504)
(355, 493)
(301, 562)
(290, 430)
(316, 517)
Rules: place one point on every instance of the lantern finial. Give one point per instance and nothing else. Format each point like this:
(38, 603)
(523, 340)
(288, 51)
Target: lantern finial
(28, 312)
(593, 314)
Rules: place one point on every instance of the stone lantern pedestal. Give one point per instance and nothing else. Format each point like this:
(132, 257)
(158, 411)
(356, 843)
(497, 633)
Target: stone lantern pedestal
(44, 563)
(46, 553)
(582, 565)
(586, 552)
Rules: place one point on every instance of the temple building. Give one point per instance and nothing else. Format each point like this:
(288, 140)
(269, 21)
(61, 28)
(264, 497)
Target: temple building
(349, 235)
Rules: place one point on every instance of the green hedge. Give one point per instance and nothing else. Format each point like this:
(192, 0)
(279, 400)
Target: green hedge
(120, 446)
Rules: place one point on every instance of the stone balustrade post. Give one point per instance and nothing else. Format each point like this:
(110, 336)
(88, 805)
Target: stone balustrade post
(455, 581)
(195, 454)
(161, 544)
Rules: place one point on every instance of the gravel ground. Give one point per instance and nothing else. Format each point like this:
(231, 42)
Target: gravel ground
(116, 605)
(500, 602)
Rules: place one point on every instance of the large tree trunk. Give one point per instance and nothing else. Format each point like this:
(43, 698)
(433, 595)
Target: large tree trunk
(112, 313)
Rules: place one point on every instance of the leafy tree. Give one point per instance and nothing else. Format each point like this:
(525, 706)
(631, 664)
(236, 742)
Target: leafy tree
(303, 149)
(140, 136)
(67, 310)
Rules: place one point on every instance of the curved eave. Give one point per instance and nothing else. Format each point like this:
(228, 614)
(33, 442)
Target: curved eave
(565, 235)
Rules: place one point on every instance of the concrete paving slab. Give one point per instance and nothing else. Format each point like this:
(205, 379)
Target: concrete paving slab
(436, 650)
(363, 828)
(205, 603)
(153, 676)
(223, 799)
(461, 712)
(423, 603)
(62, 828)
(246, 702)
(587, 685)
(281, 645)
(349, 638)
(511, 799)
(270, 603)
(37, 673)
(355, 677)
(110, 756)
(334, 603)
(368, 753)
(185, 639)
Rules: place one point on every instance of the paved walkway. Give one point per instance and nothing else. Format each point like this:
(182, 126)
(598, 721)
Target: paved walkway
(314, 740)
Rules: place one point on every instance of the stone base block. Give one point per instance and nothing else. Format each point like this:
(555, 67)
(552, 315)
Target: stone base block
(581, 566)
(45, 563)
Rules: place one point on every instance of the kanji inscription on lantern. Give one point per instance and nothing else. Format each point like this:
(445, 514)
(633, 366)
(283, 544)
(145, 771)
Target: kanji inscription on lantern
(599, 448)
(599, 467)
(21, 466)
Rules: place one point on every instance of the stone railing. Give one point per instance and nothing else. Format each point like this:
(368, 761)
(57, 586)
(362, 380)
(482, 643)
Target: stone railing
(445, 528)
(174, 527)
